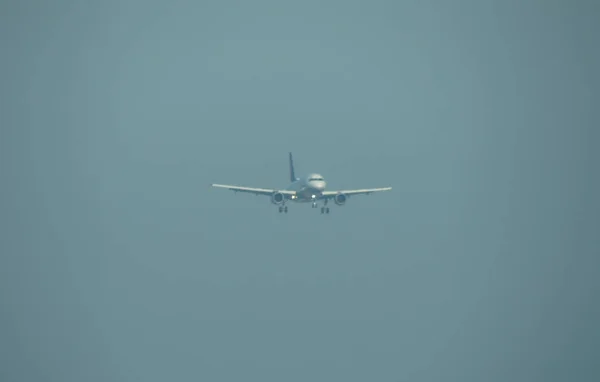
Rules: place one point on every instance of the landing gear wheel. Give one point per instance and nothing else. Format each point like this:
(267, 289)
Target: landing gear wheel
(280, 209)
(322, 210)
(285, 209)
(327, 210)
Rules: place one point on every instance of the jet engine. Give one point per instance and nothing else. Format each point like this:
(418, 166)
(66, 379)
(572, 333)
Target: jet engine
(277, 198)
(340, 199)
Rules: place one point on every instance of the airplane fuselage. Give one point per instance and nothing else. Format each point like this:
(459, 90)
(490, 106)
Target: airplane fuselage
(308, 189)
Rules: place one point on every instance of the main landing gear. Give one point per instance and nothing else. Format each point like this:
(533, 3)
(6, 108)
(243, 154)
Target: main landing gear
(283, 209)
(324, 209)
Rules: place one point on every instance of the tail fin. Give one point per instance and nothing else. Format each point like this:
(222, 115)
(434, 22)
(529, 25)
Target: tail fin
(292, 174)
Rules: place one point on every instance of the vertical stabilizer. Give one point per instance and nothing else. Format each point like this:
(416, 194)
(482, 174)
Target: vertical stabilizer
(292, 174)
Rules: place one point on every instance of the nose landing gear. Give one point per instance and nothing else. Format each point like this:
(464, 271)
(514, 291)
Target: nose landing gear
(283, 209)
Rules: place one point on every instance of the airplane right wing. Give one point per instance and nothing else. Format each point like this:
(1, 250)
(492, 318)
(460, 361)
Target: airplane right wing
(364, 191)
(253, 190)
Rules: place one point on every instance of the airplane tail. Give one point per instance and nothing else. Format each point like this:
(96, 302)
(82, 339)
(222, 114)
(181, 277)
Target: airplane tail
(292, 174)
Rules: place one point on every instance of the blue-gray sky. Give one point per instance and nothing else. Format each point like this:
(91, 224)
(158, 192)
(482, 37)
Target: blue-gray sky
(119, 263)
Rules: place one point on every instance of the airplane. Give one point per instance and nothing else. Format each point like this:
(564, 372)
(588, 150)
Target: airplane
(309, 189)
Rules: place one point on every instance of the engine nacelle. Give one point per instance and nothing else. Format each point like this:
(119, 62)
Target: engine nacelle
(340, 199)
(277, 198)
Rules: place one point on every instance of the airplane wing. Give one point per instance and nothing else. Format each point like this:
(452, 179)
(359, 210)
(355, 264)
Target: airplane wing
(253, 190)
(365, 191)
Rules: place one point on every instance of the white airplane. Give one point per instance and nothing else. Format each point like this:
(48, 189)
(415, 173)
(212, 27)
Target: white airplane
(303, 190)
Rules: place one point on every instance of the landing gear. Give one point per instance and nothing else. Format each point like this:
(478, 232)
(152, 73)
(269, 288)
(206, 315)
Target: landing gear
(324, 209)
(283, 209)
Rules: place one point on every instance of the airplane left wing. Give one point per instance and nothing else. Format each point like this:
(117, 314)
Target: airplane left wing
(365, 191)
(253, 190)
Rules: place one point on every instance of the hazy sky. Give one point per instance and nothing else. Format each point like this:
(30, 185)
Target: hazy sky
(119, 263)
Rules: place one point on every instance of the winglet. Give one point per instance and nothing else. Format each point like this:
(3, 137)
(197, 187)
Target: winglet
(292, 174)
